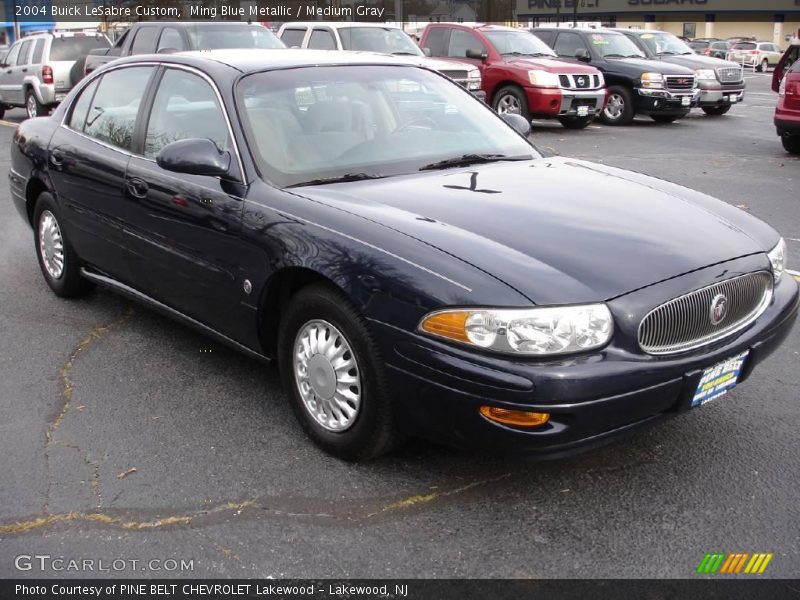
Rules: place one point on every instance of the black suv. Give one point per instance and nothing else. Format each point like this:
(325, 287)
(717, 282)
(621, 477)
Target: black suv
(636, 84)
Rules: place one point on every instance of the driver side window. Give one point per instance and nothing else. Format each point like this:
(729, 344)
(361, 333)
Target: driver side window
(568, 43)
(461, 41)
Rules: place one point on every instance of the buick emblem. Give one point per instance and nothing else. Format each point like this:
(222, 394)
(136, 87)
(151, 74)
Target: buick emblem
(719, 309)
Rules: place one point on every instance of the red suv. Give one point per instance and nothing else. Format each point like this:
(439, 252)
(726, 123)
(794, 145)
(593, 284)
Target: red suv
(520, 73)
(786, 81)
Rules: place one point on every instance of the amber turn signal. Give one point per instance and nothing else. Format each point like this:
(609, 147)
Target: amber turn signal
(450, 325)
(518, 418)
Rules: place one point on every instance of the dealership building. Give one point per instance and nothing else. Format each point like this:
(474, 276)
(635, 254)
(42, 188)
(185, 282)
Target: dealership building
(776, 21)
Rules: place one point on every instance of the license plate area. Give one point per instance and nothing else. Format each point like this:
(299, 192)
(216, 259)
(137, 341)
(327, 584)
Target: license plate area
(583, 111)
(685, 101)
(719, 379)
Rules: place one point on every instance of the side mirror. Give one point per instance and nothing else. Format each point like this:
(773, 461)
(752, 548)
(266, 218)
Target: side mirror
(194, 156)
(582, 54)
(476, 54)
(427, 52)
(520, 124)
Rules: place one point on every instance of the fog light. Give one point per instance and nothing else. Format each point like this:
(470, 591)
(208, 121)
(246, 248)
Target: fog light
(519, 418)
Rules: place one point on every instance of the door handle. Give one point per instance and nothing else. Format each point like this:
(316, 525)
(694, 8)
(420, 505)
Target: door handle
(56, 158)
(25, 70)
(9, 71)
(137, 187)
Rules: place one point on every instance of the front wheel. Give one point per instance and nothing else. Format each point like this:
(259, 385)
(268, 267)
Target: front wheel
(33, 107)
(575, 122)
(716, 111)
(791, 143)
(511, 99)
(619, 107)
(665, 118)
(333, 374)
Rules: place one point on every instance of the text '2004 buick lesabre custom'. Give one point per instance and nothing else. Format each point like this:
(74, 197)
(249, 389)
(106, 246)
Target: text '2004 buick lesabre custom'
(413, 264)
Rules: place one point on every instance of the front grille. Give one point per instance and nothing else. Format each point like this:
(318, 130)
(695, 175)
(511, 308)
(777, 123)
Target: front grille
(730, 74)
(579, 82)
(455, 75)
(686, 322)
(680, 83)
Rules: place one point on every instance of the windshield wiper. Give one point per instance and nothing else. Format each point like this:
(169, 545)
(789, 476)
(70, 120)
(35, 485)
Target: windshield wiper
(404, 53)
(470, 159)
(667, 53)
(614, 56)
(338, 179)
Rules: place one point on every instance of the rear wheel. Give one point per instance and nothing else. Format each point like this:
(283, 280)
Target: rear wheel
(575, 122)
(619, 107)
(33, 107)
(665, 118)
(334, 376)
(511, 99)
(716, 111)
(764, 66)
(791, 143)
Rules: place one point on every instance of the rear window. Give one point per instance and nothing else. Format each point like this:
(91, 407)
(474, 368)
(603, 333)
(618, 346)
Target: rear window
(745, 46)
(218, 37)
(699, 45)
(73, 48)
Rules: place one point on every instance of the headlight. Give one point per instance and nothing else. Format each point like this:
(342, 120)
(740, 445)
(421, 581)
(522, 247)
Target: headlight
(707, 74)
(652, 80)
(602, 80)
(777, 256)
(532, 331)
(474, 80)
(543, 79)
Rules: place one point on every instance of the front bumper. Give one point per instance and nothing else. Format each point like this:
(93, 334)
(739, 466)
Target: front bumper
(713, 93)
(592, 399)
(659, 101)
(547, 102)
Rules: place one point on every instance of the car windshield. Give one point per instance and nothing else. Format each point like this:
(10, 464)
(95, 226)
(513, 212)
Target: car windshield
(614, 45)
(219, 37)
(75, 47)
(665, 44)
(313, 124)
(387, 40)
(517, 43)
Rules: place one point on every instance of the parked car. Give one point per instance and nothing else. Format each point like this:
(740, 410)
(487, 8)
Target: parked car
(718, 49)
(636, 84)
(520, 74)
(758, 55)
(164, 37)
(413, 267)
(40, 69)
(721, 82)
(375, 37)
(786, 81)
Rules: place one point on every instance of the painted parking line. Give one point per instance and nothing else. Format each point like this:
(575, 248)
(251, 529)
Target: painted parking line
(9, 124)
(795, 274)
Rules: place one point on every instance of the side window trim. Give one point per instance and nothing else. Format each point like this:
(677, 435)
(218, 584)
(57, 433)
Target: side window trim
(68, 115)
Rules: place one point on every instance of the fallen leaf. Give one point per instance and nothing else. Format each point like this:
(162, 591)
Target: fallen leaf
(124, 474)
(81, 407)
(743, 206)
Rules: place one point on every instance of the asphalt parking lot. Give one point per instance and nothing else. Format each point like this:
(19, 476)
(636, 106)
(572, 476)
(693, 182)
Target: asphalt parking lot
(127, 437)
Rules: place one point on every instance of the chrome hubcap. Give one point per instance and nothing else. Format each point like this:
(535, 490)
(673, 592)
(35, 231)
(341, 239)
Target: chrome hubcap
(327, 375)
(31, 106)
(508, 104)
(51, 245)
(615, 106)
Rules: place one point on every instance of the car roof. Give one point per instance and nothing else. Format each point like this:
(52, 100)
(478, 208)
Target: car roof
(251, 60)
(338, 24)
(579, 29)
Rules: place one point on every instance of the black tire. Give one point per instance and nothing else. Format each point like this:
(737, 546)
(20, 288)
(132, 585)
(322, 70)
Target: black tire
(625, 115)
(69, 284)
(764, 66)
(76, 72)
(665, 118)
(791, 143)
(575, 122)
(511, 95)
(716, 111)
(373, 431)
(2, 111)
(33, 107)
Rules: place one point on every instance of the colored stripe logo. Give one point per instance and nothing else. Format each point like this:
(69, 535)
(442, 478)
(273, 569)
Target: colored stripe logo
(734, 563)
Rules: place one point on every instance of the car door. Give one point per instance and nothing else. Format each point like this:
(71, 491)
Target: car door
(12, 77)
(184, 229)
(87, 159)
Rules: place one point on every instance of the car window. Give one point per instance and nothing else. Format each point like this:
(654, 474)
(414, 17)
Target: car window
(612, 45)
(389, 40)
(293, 38)
(11, 59)
(461, 41)
(699, 45)
(207, 36)
(322, 39)
(185, 106)
(77, 117)
(145, 41)
(545, 36)
(170, 39)
(37, 51)
(719, 45)
(665, 44)
(517, 43)
(567, 43)
(75, 47)
(112, 113)
(745, 46)
(23, 53)
(435, 41)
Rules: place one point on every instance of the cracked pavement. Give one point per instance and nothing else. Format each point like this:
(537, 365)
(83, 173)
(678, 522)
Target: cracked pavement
(125, 435)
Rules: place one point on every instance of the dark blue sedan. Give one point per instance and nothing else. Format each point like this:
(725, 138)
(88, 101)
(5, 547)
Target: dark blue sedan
(413, 264)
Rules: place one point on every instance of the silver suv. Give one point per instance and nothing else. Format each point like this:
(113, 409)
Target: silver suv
(40, 69)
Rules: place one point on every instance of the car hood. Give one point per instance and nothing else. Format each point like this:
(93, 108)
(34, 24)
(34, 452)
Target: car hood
(438, 65)
(552, 65)
(653, 65)
(557, 230)
(696, 61)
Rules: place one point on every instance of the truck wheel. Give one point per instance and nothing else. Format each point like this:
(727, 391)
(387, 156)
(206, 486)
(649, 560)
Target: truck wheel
(511, 99)
(764, 66)
(575, 122)
(619, 107)
(791, 143)
(334, 376)
(716, 111)
(665, 118)
(33, 107)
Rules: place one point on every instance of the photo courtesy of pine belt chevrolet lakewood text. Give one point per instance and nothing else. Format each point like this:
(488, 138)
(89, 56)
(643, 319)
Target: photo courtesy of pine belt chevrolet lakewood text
(411, 262)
